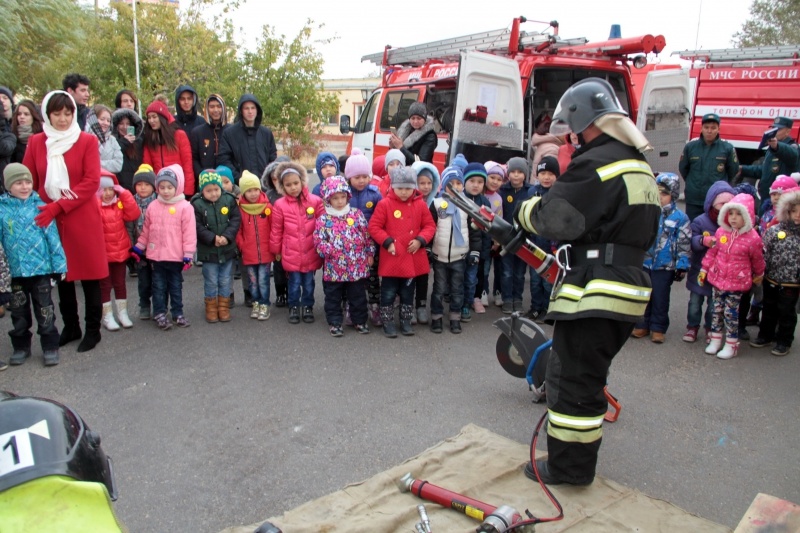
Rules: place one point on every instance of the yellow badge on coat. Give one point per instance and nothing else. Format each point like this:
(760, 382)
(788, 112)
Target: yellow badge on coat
(310, 211)
(224, 210)
(398, 214)
(781, 234)
(444, 204)
(171, 210)
(369, 205)
(723, 239)
(119, 204)
(510, 199)
(350, 221)
(706, 234)
(268, 211)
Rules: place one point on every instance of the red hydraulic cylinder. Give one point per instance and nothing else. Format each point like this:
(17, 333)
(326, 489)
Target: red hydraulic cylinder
(624, 46)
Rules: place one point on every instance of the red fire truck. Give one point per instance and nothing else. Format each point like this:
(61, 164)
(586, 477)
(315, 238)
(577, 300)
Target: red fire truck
(746, 87)
(485, 91)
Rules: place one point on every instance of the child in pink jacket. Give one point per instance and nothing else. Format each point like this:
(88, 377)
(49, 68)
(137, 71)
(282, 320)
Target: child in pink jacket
(292, 239)
(732, 265)
(169, 238)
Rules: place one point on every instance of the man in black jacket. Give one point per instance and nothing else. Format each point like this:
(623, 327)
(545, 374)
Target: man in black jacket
(77, 85)
(206, 138)
(246, 144)
(186, 107)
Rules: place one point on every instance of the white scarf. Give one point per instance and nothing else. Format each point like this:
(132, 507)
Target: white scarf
(56, 183)
(337, 212)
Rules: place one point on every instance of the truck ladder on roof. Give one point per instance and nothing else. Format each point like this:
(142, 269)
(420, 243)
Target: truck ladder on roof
(449, 49)
(755, 53)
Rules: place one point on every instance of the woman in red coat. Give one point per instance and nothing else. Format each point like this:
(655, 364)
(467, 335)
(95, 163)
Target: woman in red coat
(65, 164)
(166, 144)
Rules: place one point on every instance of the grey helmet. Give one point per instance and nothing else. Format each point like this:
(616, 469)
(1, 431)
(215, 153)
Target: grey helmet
(582, 104)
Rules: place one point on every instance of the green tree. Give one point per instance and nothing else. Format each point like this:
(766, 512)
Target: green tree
(771, 23)
(286, 76)
(34, 32)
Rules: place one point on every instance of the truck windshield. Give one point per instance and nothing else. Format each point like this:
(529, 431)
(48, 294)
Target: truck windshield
(551, 83)
(395, 108)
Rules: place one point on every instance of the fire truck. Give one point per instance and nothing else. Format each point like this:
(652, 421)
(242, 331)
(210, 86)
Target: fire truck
(746, 87)
(486, 91)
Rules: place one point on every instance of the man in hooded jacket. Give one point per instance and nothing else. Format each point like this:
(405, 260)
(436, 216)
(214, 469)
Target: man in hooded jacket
(186, 107)
(206, 138)
(246, 144)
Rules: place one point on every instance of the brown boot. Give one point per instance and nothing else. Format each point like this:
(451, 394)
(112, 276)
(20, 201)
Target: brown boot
(638, 333)
(224, 308)
(212, 314)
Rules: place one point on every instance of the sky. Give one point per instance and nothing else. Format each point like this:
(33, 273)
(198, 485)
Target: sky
(366, 27)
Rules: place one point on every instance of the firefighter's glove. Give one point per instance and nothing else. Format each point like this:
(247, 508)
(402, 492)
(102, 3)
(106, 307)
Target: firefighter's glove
(680, 274)
(523, 213)
(473, 258)
(701, 278)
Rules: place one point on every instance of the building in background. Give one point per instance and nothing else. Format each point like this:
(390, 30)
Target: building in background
(353, 94)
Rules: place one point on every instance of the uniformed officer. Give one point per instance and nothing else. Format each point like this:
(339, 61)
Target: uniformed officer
(606, 206)
(782, 157)
(705, 160)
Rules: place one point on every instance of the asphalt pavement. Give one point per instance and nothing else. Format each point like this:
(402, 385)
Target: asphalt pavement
(228, 424)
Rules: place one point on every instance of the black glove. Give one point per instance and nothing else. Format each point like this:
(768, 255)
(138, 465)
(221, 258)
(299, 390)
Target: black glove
(473, 258)
(679, 275)
(5, 298)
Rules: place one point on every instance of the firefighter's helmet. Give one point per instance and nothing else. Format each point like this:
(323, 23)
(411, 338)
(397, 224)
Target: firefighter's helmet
(582, 104)
(40, 437)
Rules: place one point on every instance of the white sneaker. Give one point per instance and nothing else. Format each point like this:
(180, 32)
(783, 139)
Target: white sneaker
(498, 299)
(263, 311)
(477, 305)
(254, 311)
(484, 299)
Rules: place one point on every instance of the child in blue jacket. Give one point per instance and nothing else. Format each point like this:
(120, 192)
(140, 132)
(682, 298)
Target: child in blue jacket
(666, 261)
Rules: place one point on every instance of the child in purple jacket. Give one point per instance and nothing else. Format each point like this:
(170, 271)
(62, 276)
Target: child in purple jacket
(342, 240)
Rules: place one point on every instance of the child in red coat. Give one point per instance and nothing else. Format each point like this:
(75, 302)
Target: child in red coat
(402, 225)
(253, 242)
(117, 206)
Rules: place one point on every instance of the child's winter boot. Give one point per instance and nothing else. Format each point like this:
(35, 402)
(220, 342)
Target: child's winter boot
(212, 313)
(406, 314)
(122, 313)
(714, 344)
(108, 317)
(730, 350)
(224, 309)
(387, 318)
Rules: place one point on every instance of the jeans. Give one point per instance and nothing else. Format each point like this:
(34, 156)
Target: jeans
(497, 282)
(301, 289)
(35, 290)
(145, 282)
(540, 292)
(281, 282)
(168, 279)
(391, 287)
(421, 290)
(217, 278)
(470, 282)
(337, 292)
(448, 277)
(695, 312)
(513, 282)
(656, 316)
(258, 283)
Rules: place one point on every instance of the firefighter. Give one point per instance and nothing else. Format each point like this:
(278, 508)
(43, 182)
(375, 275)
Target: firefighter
(706, 160)
(606, 207)
(782, 157)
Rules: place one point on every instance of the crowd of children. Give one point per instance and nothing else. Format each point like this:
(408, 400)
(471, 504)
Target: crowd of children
(377, 230)
(733, 261)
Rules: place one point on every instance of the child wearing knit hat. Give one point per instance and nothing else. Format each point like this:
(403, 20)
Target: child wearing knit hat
(495, 178)
(516, 191)
(218, 219)
(455, 244)
(29, 256)
(342, 240)
(253, 242)
(144, 186)
(474, 184)
(365, 197)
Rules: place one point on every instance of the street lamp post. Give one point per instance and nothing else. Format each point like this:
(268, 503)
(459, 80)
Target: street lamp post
(136, 56)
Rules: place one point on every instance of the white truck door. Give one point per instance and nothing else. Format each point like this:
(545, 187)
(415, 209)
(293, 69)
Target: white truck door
(665, 116)
(364, 132)
(493, 82)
